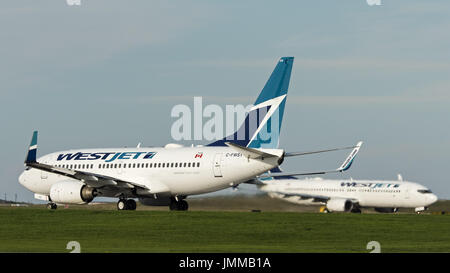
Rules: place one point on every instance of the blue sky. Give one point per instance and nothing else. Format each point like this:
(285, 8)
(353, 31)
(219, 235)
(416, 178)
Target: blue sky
(107, 74)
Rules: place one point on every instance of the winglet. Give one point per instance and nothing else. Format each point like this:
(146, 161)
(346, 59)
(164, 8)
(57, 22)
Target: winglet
(349, 160)
(32, 150)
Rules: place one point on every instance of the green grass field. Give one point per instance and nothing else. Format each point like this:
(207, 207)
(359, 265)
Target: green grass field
(40, 230)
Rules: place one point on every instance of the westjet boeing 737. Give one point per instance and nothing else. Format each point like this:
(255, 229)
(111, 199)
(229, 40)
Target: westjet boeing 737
(347, 195)
(166, 175)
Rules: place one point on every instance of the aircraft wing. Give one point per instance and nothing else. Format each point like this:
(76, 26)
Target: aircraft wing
(91, 179)
(343, 167)
(287, 154)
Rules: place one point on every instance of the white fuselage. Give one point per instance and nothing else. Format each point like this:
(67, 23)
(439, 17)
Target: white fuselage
(367, 193)
(183, 170)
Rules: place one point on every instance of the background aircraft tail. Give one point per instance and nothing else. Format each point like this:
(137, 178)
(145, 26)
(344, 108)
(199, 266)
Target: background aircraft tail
(262, 125)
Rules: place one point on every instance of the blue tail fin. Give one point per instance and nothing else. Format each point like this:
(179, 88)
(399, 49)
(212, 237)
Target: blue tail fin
(262, 125)
(32, 149)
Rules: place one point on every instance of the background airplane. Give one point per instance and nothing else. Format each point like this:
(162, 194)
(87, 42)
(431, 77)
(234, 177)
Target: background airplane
(345, 195)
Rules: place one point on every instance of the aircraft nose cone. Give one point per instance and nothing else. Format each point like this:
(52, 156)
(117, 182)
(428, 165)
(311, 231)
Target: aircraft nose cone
(433, 198)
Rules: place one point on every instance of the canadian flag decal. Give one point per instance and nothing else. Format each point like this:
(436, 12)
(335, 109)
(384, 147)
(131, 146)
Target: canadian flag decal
(199, 155)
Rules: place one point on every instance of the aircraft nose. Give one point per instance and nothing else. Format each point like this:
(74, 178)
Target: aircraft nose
(433, 198)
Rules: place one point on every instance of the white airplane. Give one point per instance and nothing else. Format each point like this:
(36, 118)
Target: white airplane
(347, 195)
(166, 175)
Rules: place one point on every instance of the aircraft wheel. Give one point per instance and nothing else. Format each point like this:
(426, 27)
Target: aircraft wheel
(356, 210)
(178, 205)
(130, 204)
(52, 206)
(122, 204)
(173, 205)
(183, 205)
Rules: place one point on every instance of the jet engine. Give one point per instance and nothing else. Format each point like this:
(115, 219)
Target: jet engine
(72, 192)
(339, 204)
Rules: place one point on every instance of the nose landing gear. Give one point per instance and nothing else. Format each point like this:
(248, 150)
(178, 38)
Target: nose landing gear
(52, 206)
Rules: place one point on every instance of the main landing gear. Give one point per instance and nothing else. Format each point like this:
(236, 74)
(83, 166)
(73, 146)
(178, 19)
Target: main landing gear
(52, 206)
(355, 210)
(126, 204)
(179, 204)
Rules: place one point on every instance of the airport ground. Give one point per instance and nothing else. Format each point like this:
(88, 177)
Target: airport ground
(221, 224)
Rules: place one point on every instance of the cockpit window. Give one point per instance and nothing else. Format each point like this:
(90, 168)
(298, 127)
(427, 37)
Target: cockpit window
(424, 191)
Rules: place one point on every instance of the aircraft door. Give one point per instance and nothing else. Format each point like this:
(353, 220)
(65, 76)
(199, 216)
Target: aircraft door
(44, 175)
(216, 165)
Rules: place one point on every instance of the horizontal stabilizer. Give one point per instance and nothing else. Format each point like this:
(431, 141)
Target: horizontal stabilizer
(250, 152)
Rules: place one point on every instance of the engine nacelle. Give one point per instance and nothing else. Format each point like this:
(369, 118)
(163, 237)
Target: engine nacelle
(72, 192)
(386, 210)
(339, 204)
(160, 201)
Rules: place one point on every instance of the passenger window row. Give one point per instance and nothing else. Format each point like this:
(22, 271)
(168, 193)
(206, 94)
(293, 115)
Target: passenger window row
(341, 190)
(132, 165)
